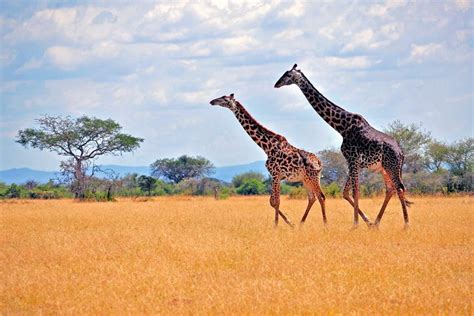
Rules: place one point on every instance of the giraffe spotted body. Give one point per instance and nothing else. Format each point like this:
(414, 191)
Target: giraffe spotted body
(284, 161)
(363, 146)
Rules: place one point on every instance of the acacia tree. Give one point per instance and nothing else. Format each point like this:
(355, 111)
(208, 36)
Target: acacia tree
(82, 140)
(413, 141)
(184, 167)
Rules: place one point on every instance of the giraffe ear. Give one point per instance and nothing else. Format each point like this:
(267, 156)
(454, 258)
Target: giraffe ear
(294, 67)
(232, 96)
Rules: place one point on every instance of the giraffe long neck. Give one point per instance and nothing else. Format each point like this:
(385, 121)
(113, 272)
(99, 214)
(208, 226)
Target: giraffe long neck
(334, 115)
(262, 136)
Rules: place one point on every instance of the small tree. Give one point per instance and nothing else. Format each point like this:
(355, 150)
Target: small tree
(461, 165)
(251, 187)
(184, 167)
(413, 142)
(31, 184)
(436, 155)
(239, 179)
(251, 183)
(82, 140)
(146, 184)
(334, 167)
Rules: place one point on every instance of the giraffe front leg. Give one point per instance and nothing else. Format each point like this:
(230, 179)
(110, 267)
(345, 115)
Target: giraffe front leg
(275, 202)
(347, 197)
(355, 195)
(354, 183)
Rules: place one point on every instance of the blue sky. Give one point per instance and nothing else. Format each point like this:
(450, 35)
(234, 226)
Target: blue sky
(154, 67)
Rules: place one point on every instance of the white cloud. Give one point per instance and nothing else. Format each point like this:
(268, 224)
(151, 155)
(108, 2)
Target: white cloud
(238, 44)
(331, 30)
(198, 97)
(66, 58)
(392, 31)
(170, 12)
(420, 53)
(297, 9)
(463, 5)
(358, 62)
(368, 39)
(383, 10)
(289, 34)
(105, 49)
(29, 65)
(6, 57)
(105, 17)
(159, 94)
(363, 39)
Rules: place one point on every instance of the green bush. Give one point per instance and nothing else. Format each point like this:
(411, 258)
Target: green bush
(16, 192)
(239, 179)
(285, 188)
(224, 193)
(251, 187)
(332, 190)
(298, 193)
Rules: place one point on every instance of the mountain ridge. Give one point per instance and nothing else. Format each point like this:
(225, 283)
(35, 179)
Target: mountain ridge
(225, 173)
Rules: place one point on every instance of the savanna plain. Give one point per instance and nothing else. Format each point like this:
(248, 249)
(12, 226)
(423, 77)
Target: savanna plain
(183, 255)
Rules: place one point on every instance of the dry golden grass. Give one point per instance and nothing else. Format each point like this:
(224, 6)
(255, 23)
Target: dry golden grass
(196, 255)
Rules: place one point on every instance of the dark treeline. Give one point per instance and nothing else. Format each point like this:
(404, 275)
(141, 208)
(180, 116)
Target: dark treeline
(431, 167)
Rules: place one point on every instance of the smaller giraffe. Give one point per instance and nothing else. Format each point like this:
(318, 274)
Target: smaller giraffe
(284, 161)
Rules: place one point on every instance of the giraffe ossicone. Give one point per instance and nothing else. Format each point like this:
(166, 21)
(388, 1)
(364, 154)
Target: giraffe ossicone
(284, 161)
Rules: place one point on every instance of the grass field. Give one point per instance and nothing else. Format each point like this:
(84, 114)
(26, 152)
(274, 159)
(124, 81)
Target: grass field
(180, 255)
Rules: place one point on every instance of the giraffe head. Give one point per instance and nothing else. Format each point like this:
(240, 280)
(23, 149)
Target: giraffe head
(289, 77)
(225, 101)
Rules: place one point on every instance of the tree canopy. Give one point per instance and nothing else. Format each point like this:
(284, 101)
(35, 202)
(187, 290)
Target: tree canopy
(82, 139)
(146, 183)
(412, 140)
(184, 167)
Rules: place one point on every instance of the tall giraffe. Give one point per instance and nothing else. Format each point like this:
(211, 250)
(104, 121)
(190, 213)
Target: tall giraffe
(363, 147)
(285, 162)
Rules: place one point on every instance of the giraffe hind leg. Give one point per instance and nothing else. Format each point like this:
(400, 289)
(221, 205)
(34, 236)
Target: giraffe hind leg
(317, 193)
(388, 195)
(400, 187)
(311, 200)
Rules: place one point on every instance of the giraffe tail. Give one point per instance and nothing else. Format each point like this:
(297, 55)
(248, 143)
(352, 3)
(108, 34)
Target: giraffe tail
(407, 202)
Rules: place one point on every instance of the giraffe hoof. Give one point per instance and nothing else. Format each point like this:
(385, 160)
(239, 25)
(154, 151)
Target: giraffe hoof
(354, 227)
(406, 227)
(374, 227)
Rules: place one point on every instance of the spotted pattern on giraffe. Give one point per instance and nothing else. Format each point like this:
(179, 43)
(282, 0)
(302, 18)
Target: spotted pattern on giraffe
(363, 146)
(284, 161)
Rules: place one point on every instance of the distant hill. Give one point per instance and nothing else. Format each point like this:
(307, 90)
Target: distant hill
(227, 173)
(21, 175)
